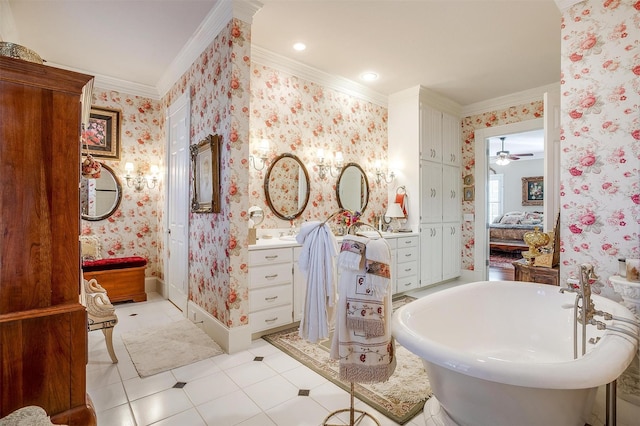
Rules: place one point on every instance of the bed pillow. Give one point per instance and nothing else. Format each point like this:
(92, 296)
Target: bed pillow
(498, 219)
(534, 216)
(511, 220)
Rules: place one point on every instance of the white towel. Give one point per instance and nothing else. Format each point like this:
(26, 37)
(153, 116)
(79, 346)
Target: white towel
(317, 261)
(352, 253)
(363, 359)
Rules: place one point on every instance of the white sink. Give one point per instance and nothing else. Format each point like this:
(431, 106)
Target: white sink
(288, 238)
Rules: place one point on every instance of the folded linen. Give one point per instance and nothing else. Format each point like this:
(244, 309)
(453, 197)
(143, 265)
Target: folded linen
(352, 253)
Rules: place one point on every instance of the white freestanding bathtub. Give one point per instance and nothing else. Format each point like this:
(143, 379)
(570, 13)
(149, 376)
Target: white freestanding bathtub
(500, 353)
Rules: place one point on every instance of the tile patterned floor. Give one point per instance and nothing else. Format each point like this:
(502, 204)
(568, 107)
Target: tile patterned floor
(237, 389)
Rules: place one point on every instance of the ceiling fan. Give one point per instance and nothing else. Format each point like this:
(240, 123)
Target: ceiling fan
(503, 157)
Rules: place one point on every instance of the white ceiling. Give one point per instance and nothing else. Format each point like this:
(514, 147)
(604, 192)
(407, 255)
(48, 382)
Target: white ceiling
(466, 50)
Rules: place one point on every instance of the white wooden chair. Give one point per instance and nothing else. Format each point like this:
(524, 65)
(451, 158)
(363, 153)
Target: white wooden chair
(101, 314)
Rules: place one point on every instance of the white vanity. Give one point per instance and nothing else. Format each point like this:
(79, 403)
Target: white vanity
(277, 286)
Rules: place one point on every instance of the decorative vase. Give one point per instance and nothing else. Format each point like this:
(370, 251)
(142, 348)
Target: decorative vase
(534, 239)
(91, 168)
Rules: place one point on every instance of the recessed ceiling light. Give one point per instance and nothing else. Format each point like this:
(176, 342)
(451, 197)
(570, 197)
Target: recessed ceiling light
(299, 47)
(369, 76)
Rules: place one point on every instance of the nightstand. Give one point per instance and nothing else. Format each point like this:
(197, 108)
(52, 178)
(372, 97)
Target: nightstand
(536, 274)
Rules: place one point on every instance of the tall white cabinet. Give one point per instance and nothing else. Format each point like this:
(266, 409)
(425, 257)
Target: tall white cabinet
(425, 145)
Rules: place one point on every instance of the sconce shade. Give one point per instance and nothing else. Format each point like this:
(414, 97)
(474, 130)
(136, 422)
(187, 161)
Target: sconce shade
(139, 182)
(395, 211)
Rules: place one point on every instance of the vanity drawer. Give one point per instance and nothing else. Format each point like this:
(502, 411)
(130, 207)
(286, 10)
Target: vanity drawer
(407, 254)
(407, 269)
(268, 275)
(268, 297)
(408, 242)
(407, 283)
(266, 257)
(270, 318)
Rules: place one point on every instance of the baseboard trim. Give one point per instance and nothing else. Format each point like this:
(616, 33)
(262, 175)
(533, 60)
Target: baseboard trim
(232, 340)
(153, 285)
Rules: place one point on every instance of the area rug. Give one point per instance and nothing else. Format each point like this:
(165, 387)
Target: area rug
(400, 398)
(162, 348)
(503, 260)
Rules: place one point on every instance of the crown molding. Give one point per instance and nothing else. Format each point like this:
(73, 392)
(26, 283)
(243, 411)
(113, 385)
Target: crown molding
(212, 25)
(341, 84)
(566, 4)
(217, 19)
(245, 9)
(518, 98)
(111, 83)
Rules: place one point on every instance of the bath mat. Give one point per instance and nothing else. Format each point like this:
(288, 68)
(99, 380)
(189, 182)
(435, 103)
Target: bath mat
(400, 398)
(162, 348)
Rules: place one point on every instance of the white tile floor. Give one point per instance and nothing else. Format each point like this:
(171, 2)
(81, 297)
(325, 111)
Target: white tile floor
(223, 390)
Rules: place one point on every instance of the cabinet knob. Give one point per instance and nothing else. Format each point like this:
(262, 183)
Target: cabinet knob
(271, 320)
(270, 299)
(270, 277)
(271, 257)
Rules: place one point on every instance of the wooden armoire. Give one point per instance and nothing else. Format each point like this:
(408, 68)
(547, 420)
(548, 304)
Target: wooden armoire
(43, 326)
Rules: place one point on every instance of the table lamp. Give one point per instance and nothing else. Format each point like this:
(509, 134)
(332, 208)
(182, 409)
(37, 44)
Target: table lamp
(395, 212)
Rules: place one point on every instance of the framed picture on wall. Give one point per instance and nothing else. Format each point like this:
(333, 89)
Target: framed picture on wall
(468, 193)
(532, 191)
(101, 138)
(205, 162)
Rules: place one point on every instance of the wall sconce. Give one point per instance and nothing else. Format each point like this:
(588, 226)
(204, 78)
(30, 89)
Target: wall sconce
(323, 167)
(140, 181)
(263, 155)
(381, 176)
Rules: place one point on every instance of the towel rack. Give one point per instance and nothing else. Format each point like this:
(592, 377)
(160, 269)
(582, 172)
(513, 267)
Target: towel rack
(353, 420)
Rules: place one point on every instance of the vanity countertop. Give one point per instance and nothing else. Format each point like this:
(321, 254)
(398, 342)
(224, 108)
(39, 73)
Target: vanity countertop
(279, 242)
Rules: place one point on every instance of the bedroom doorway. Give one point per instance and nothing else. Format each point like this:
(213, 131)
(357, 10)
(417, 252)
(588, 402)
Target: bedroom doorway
(551, 174)
(513, 159)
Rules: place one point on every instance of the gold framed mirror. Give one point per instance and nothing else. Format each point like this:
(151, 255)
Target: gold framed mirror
(100, 198)
(352, 188)
(286, 187)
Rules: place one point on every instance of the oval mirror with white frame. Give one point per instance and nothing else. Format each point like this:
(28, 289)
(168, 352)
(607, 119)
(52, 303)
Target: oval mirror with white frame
(352, 189)
(100, 198)
(286, 187)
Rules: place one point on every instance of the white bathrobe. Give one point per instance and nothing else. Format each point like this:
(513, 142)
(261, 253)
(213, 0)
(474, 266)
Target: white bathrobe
(317, 261)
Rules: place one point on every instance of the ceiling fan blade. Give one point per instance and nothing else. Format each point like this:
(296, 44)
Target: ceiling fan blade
(528, 154)
(512, 157)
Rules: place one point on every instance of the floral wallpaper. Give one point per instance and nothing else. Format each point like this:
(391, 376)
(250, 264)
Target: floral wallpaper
(600, 140)
(513, 114)
(300, 117)
(135, 228)
(218, 83)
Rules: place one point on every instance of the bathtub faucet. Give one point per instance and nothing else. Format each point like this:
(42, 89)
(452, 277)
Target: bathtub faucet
(582, 314)
(587, 278)
(602, 326)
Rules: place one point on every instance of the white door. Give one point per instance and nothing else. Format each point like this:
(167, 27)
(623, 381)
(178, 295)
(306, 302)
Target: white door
(177, 257)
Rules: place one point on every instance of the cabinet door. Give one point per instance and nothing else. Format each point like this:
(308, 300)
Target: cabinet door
(451, 202)
(430, 254)
(451, 143)
(299, 286)
(430, 134)
(430, 192)
(451, 250)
